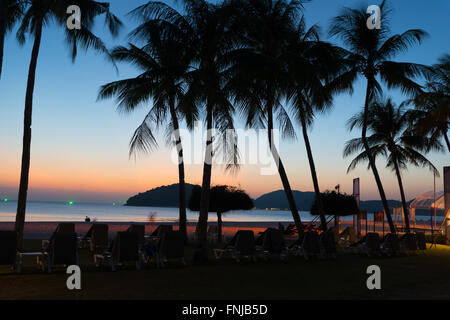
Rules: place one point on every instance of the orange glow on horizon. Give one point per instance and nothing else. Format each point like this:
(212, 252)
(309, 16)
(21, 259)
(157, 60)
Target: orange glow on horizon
(123, 177)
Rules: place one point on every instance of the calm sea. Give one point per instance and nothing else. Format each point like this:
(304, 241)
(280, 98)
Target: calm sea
(59, 211)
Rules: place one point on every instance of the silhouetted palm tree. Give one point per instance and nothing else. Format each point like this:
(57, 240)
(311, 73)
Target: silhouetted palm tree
(163, 61)
(391, 137)
(311, 64)
(214, 42)
(39, 14)
(369, 54)
(439, 77)
(10, 14)
(261, 74)
(207, 31)
(432, 112)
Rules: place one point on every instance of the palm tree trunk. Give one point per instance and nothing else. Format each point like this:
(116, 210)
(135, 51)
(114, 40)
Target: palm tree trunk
(219, 227)
(3, 17)
(25, 169)
(181, 183)
(402, 194)
(446, 140)
(282, 173)
(323, 220)
(202, 224)
(371, 159)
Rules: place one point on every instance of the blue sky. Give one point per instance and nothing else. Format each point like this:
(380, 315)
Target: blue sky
(80, 146)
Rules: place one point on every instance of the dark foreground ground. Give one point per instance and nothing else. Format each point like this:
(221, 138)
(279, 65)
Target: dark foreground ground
(411, 277)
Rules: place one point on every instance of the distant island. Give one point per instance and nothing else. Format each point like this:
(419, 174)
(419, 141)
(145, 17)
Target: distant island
(167, 196)
(303, 200)
(164, 196)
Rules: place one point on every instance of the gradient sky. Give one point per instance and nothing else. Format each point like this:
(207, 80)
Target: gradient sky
(80, 146)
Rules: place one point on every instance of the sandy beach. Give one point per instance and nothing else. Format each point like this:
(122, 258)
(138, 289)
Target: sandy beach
(42, 230)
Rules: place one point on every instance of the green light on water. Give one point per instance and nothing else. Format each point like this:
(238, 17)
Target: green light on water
(71, 203)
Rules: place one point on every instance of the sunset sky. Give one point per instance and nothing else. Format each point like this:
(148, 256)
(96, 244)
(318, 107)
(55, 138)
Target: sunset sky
(80, 146)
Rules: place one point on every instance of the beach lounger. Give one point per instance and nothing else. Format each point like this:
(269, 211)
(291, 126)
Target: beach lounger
(160, 230)
(311, 245)
(296, 247)
(328, 244)
(65, 227)
(421, 243)
(62, 250)
(371, 244)
(139, 229)
(408, 243)
(335, 232)
(8, 249)
(123, 249)
(171, 246)
(271, 241)
(97, 238)
(241, 245)
(390, 244)
(212, 233)
(348, 240)
(291, 230)
(348, 237)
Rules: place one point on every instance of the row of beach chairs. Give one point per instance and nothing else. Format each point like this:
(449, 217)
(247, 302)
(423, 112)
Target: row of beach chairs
(271, 242)
(312, 245)
(372, 244)
(127, 246)
(391, 244)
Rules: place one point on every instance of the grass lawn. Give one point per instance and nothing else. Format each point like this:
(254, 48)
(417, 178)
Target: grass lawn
(419, 276)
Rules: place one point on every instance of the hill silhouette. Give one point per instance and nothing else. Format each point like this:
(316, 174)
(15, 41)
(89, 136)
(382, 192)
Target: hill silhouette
(277, 199)
(304, 200)
(167, 196)
(164, 196)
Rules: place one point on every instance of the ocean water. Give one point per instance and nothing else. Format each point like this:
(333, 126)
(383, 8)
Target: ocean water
(59, 211)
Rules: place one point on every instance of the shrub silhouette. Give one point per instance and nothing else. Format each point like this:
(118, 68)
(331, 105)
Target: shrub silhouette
(223, 199)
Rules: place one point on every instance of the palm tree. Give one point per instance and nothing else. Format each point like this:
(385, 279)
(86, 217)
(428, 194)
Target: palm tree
(10, 14)
(163, 62)
(369, 55)
(392, 138)
(206, 27)
(207, 86)
(39, 14)
(439, 77)
(261, 77)
(311, 63)
(432, 114)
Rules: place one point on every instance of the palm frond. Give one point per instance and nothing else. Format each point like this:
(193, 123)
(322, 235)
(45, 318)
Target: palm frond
(398, 75)
(143, 140)
(400, 43)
